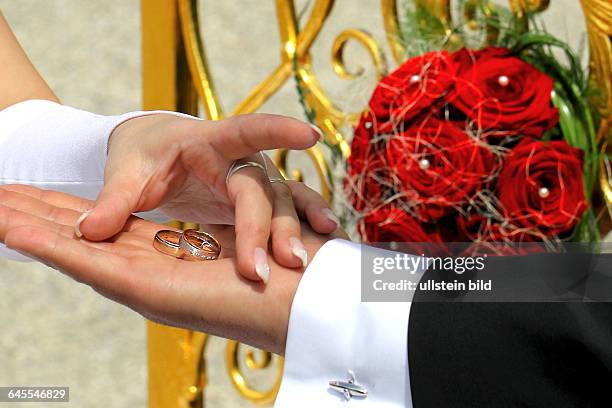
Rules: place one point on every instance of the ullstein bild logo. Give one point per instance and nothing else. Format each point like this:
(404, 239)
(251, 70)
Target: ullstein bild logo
(456, 285)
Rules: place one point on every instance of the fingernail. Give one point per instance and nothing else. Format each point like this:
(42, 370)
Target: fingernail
(318, 131)
(262, 269)
(77, 224)
(297, 248)
(329, 214)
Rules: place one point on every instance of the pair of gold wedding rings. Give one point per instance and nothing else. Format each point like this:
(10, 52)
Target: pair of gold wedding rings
(189, 245)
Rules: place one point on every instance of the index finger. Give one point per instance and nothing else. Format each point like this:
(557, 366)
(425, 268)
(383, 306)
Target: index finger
(244, 135)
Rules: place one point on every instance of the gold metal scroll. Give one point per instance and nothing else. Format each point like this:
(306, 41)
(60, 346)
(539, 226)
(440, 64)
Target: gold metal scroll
(392, 30)
(598, 17)
(368, 42)
(232, 361)
(523, 7)
(194, 52)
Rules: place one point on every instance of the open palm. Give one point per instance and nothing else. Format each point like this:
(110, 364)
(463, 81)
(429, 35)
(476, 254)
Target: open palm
(208, 296)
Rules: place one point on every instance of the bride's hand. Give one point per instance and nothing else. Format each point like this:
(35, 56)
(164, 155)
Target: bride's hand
(180, 165)
(207, 296)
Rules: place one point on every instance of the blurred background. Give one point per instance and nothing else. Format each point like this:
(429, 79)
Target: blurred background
(57, 332)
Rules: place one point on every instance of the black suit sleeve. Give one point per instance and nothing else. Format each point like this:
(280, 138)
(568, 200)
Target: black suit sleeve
(513, 354)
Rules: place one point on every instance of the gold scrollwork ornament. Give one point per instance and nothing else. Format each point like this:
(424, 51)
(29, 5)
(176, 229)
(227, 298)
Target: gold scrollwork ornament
(238, 378)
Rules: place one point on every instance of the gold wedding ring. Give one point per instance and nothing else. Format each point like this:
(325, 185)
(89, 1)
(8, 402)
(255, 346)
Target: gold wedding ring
(190, 245)
(167, 242)
(199, 245)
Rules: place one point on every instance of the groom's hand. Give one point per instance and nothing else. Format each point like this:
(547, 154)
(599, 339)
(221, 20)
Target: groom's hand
(180, 165)
(207, 296)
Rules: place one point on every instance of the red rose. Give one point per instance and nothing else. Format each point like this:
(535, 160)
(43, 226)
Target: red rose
(541, 186)
(437, 167)
(391, 224)
(502, 93)
(411, 89)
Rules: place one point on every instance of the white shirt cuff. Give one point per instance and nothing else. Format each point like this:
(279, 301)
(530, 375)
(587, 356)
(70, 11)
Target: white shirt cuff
(332, 333)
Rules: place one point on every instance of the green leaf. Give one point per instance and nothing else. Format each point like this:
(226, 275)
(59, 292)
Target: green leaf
(587, 230)
(567, 120)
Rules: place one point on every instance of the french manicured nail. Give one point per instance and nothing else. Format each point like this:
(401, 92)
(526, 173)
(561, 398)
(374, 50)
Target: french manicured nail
(297, 248)
(262, 269)
(77, 224)
(318, 130)
(329, 214)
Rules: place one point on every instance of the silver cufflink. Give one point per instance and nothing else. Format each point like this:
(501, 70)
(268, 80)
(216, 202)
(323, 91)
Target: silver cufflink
(349, 388)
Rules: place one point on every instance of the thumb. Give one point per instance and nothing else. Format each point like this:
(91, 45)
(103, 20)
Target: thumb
(117, 201)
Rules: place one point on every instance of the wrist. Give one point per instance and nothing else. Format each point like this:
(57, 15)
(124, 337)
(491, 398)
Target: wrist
(125, 130)
(136, 123)
(288, 284)
(65, 143)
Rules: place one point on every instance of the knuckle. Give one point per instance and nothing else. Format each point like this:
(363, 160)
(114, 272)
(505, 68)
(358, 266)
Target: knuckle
(255, 229)
(310, 192)
(253, 194)
(259, 176)
(242, 132)
(285, 221)
(282, 192)
(312, 209)
(283, 230)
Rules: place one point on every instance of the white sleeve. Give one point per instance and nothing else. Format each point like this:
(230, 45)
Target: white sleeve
(332, 333)
(52, 146)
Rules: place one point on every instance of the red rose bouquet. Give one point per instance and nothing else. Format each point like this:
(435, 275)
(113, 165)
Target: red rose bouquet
(475, 145)
(482, 139)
